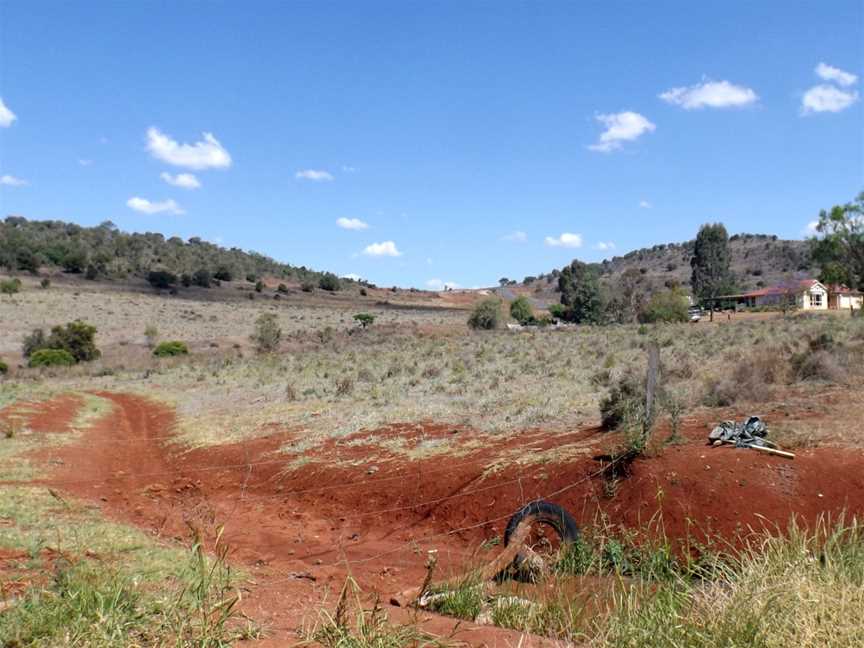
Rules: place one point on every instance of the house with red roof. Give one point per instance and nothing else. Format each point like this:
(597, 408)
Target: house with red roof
(803, 294)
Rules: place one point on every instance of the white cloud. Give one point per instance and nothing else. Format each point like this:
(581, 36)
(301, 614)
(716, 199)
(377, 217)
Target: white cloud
(827, 98)
(438, 284)
(182, 180)
(838, 76)
(604, 246)
(146, 207)
(621, 127)
(351, 223)
(348, 169)
(710, 94)
(644, 204)
(565, 240)
(6, 115)
(385, 248)
(351, 275)
(85, 162)
(206, 154)
(12, 181)
(811, 229)
(516, 237)
(315, 176)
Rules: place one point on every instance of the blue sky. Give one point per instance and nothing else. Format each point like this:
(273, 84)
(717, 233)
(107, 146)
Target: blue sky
(467, 137)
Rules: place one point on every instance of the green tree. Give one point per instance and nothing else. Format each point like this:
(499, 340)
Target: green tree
(486, 315)
(711, 275)
(579, 285)
(161, 278)
(329, 281)
(521, 311)
(838, 247)
(268, 333)
(665, 306)
(77, 338)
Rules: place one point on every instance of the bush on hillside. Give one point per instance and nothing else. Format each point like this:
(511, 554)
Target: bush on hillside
(51, 358)
(76, 338)
(223, 274)
(10, 286)
(170, 349)
(161, 279)
(486, 315)
(364, 319)
(329, 281)
(307, 286)
(45, 284)
(202, 278)
(282, 288)
(259, 286)
(267, 333)
(4, 368)
(521, 311)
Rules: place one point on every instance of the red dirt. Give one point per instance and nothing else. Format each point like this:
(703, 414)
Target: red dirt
(292, 531)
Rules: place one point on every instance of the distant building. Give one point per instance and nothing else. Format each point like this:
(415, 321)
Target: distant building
(804, 294)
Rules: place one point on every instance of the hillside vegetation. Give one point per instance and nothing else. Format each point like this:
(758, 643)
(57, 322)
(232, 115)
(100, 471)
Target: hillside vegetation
(105, 252)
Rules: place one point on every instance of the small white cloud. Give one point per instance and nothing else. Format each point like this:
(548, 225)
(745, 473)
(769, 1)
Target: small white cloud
(6, 115)
(85, 162)
(438, 284)
(146, 207)
(385, 248)
(604, 246)
(710, 94)
(644, 204)
(838, 76)
(811, 229)
(566, 239)
(182, 180)
(206, 154)
(621, 127)
(352, 276)
(348, 169)
(12, 181)
(827, 98)
(315, 176)
(351, 223)
(515, 237)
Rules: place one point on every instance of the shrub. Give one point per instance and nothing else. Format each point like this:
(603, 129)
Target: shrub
(363, 292)
(666, 306)
(329, 281)
(45, 284)
(364, 319)
(51, 358)
(623, 400)
(171, 348)
(92, 273)
(10, 286)
(161, 279)
(267, 333)
(818, 365)
(259, 286)
(202, 278)
(282, 288)
(33, 342)
(223, 273)
(152, 334)
(558, 311)
(77, 338)
(4, 368)
(307, 286)
(521, 311)
(251, 277)
(486, 315)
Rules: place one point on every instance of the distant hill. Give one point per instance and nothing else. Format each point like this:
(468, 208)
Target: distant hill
(757, 260)
(104, 252)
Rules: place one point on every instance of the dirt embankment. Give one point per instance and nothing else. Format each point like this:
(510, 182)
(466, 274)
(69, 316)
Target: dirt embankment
(355, 508)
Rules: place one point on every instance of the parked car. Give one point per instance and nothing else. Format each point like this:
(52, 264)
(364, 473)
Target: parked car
(695, 313)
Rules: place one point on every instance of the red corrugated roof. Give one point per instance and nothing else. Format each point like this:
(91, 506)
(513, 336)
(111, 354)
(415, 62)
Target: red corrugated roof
(796, 286)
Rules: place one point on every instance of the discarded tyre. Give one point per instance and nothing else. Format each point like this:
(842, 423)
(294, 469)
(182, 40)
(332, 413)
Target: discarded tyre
(539, 514)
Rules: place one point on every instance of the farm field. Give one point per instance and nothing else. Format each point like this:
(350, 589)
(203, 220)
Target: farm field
(349, 454)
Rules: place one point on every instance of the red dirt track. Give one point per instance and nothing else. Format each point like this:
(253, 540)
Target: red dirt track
(293, 530)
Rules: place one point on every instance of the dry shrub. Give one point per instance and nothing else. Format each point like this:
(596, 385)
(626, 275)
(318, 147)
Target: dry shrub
(344, 386)
(750, 380)
(819, 365)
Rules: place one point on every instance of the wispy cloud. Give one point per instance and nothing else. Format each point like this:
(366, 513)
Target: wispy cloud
(351, 223)
(621, 127)
(566, 239)
(314, 175)
(515, 237)
(438, 284)
(205, 154)
(710, 94)
(352, 276)
(6, 115)
(12, 181)
(385, 248)
(348, 168)
(827, 98)
(604, 246)
(182, 180)
(838, 76)
(85, 162)
(644, 204)
(145, 206)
